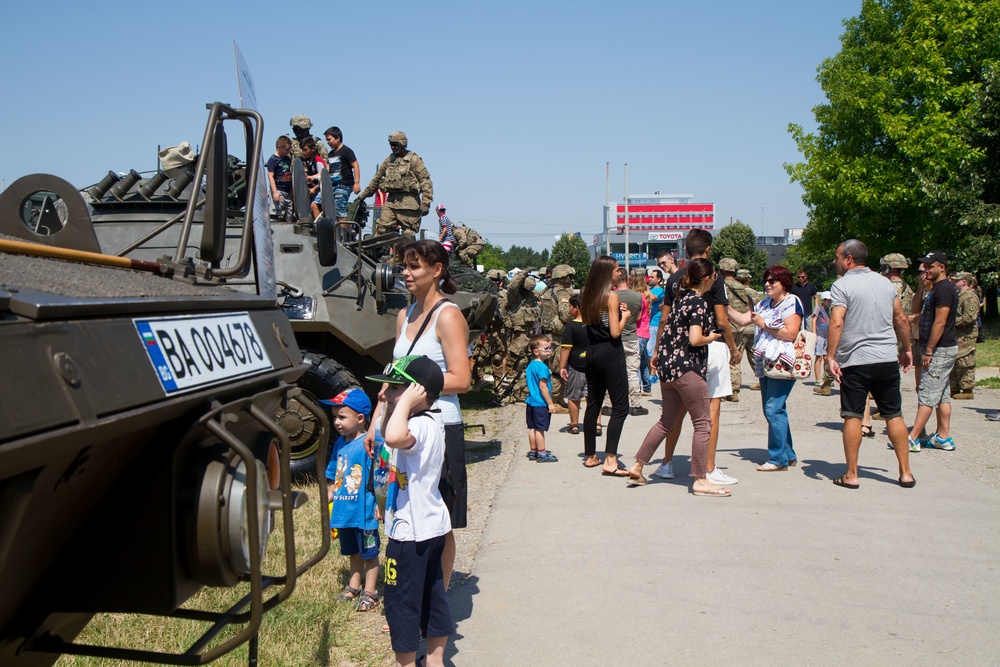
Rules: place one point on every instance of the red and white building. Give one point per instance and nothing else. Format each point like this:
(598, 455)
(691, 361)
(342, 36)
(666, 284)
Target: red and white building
(655, 222)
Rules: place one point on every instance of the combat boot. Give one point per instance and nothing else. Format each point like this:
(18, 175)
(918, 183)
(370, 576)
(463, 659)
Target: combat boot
(823, 390)
(734, 397)
(755, 386)
(963, 395)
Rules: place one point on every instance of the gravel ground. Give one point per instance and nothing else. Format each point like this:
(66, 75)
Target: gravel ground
(977, 454)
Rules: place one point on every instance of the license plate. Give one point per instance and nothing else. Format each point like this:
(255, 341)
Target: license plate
(192, 352)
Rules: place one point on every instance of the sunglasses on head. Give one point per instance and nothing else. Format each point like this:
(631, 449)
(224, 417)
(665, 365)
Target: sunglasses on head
(391, 369)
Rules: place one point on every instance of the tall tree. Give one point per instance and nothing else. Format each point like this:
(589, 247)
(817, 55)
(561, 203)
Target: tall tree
(897, 136)
(739, 241)
(491, 257)
(571, 249)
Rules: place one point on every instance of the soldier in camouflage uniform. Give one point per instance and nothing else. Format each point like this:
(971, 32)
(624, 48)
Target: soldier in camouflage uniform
(468, 244)
(554, 307)
(963, 375)
(743, 277)
(408, 187)
(491, 348)
(521, 321)
(742, 301)
(300, 128)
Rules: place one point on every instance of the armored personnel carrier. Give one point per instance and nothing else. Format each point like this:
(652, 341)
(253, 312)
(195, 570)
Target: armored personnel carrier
(140, 454)
(341, 297)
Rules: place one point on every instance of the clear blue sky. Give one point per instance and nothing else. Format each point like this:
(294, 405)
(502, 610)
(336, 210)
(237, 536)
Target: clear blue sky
(514, 106)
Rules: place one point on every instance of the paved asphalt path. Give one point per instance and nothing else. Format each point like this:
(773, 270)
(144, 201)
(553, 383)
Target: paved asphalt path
(576, 569)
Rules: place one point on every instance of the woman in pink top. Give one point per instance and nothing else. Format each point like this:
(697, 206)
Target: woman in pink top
(637, 283)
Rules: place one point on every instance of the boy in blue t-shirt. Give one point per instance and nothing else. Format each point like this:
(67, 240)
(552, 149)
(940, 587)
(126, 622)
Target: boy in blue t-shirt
(352, 493)
(279, 177)
(539, 406)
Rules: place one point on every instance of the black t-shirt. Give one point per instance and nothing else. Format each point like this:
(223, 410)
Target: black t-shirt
(715, 296)
(942, 294)
(805, 293)
(574, 336)
(340, 162)
(281, 167)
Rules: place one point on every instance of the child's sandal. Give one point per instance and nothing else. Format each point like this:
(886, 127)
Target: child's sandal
(349, 594)
(367, 601)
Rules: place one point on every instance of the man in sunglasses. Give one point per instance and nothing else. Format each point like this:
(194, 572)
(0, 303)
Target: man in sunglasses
(408, 187)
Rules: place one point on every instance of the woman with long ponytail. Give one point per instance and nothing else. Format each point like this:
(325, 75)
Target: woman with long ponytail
(605, 317)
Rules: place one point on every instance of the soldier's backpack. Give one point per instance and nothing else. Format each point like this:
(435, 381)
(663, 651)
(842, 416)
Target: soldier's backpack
(461, 237)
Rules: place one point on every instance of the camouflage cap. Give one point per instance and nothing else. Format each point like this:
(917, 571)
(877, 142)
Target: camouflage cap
(496, 274)
(743, 273)
(398, 137)
(729, 265)
(895, 260)
(301, 121)
(963, 275)
(563, 271)
(529, 283)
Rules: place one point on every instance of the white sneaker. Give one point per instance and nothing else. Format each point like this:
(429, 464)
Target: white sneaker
(720, 478)
(665, 471)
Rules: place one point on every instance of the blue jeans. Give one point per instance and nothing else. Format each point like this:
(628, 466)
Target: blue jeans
(773, 395)
(341, 193)
(644, 378)
(651, 347)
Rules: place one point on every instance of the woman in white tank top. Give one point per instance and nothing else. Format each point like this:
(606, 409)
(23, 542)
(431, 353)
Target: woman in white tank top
(445, 339)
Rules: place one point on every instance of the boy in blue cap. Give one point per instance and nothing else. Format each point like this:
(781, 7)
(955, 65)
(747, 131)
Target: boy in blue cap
(352, 492)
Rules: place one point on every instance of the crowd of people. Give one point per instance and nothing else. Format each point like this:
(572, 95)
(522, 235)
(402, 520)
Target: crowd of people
(402, 187)
(686, 329)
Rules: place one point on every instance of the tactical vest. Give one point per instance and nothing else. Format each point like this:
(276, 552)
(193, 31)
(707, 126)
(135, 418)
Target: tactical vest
(904, 293)
(550, 312)
(399, 176)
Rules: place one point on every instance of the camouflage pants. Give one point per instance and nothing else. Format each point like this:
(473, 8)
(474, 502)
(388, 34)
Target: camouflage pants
(963, 375)
(404, 220)
(468, 254)
(283, 207)
(517, 360)
(744, 341)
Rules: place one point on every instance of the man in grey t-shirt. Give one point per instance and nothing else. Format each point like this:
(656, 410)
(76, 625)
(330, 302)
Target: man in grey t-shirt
(866, 320)
(630, 342)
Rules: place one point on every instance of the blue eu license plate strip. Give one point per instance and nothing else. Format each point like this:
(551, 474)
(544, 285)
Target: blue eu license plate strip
(193, 352)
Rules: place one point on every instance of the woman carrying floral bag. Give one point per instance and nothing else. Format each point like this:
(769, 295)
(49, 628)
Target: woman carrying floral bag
(778, 319)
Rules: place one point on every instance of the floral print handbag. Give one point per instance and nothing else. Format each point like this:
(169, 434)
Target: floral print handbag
(800, 366)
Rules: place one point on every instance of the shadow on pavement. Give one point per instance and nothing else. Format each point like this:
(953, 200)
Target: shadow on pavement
(460, 600)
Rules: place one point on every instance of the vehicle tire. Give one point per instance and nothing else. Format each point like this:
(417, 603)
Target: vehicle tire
(325, 379)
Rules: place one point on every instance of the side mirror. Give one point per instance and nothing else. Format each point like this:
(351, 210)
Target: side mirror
(326, 241)
(213, 235)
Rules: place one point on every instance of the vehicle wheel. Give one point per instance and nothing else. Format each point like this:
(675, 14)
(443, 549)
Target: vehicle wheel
(325, 379)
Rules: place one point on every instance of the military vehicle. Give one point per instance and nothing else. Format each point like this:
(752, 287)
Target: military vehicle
(140, 454)
(341, 296)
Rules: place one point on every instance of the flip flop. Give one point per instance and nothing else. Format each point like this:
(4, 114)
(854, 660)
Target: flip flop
(574, 429)
(908, 485)
(714, 493)
(636, 481)
(840, 482)
(616, 473)
(591, 465)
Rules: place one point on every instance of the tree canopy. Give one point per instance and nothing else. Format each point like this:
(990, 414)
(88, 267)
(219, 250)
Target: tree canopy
(904, 157)
(738, 240)
(571, 249)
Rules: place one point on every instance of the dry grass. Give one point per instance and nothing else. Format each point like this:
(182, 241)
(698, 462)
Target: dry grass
(309, 628)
